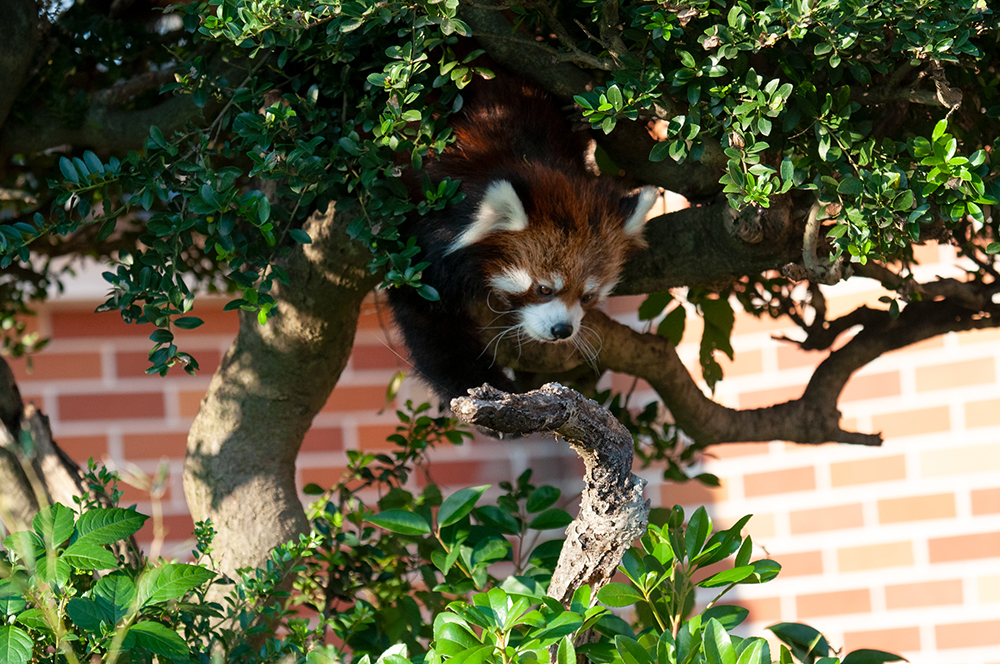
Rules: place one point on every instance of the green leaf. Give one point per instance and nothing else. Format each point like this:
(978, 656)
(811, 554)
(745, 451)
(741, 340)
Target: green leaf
(939, 129)
(457, 505)
(717, 645)
(157, 136)
(107, 525)
(619, 594)
(85, 614)
(159, 639)
(401, 521)
(542, 498)
(729, 616)
(170, 581)
(865, 656)
(660, 151)
(757, 652)
(673, 324)
(698, 528)
(631, 651)
(54, 524)
(300, 236)
(804, 641)
(850, 186)
(726, 577)
(86, 555)
(115, 594)
(654, 304)
(494, 517)
(26, 544)
(15, 645)
(68, 170)
(551, 519)
(93, 163)
(12, 599)
(188, 322)
(566, 654)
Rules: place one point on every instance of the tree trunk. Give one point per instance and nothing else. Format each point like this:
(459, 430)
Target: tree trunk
(240, 466)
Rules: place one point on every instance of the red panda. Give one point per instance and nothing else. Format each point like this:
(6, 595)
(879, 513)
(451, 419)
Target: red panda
(538, 238)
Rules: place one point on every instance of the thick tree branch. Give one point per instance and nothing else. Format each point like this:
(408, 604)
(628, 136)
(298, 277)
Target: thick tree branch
(17, 50)
(613, 512)
(240, 467)
(704, 246)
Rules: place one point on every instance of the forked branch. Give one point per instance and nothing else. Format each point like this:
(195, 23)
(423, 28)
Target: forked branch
(613, 512)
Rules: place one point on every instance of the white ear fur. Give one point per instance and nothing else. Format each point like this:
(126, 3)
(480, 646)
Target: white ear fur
(637, 221)
(500, 210)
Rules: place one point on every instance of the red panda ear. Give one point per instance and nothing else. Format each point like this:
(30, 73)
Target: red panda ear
(499, 210)
(643, 199)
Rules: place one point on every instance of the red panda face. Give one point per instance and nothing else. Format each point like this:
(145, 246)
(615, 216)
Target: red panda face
(552, 257)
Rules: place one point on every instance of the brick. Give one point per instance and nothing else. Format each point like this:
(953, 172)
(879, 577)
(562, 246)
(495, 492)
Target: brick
(791, 356)
(189, 401)
(154, 445)
(554, 469)
(964, 547)
(769, 397)
(916, 508)
(355, 397)
(467, 472)
(110, 406)
(930, 593)
(628, 384)
(912, 422)
(967, 634)
(374, 316)
(897, 639)
(624, 304)
(874, 556)
(977, 336)
(365, 357)
(216, 322)
(779, 481)
(748, 324)
(960, 460)
(762, 610)
(934, 343)
(744, 362)
(324, 477)
(868, 470)
(927, 254)
(833, 603)
(134, 364)
(986, 501)
(761, 526)
(733, 450)
(81, 448)
(872, 386)
(805, 563)
(982, 413)
(75, 324)
(836, 517)
(692, 493)
(174, 527)
(956, 374)
(373, 436)
(988, 588)
(56, 366)
(323, 439)
(132, 494)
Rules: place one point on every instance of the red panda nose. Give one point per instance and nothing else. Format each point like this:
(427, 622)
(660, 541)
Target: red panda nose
(562, 331)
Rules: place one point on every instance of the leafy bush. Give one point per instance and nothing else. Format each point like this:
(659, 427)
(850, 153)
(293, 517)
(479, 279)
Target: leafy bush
(424, 579)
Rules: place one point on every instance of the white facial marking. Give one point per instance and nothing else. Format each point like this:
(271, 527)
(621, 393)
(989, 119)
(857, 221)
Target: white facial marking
(557, 283)
(647, 198)
(500, 210)
(512, 280)
(539, 319)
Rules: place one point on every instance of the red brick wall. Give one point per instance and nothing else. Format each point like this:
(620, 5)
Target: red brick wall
(895, 548)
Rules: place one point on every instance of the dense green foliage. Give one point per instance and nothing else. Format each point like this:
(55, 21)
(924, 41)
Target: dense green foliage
(881, 110)
(423, 578)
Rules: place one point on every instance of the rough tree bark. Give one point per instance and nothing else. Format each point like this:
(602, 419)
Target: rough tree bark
(613, 512)
(240, 467)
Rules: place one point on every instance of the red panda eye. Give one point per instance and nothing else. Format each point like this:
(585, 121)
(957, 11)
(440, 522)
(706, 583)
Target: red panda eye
(544, 290)
(587, 298)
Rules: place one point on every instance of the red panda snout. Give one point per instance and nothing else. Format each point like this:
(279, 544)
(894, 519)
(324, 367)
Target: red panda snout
(552, 320)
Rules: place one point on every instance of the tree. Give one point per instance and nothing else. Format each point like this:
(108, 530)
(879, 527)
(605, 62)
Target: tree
(207, 145)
